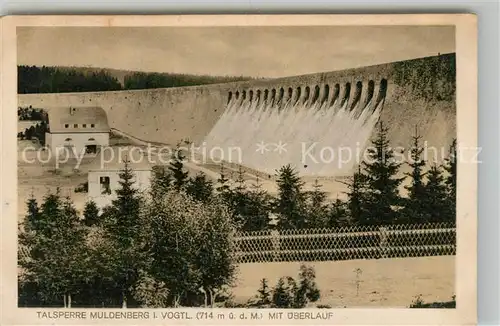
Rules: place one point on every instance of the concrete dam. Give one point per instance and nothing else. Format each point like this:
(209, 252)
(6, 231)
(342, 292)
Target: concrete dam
(307, 121)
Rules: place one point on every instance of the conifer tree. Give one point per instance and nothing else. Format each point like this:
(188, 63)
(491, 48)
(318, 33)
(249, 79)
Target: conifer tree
(259, 202)
(436, 208)
(126, 207)
(161, 180)
(179, 175)
(414, 205)
(240, 181)
(239, 200)
(450, 166)
(357, 199)
(250, 205)
(223, 187)
(91, 213)
(284, 292)
(317, 212)
(307, 289)
(381, 172)
(57, 253)
(264, 298)
(71, 239)
(123, 224)
(291, 199)
(33, 216)
(338, 215)
(199, 187)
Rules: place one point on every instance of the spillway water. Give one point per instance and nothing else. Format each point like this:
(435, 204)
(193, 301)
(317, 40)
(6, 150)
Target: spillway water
(317, 139)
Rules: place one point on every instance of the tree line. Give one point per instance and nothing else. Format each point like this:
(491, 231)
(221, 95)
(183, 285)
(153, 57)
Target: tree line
(143, 80)
(373, 194)
(31, 113)
(155, 249)
(432, 78)
(36, 131)
(172, 244)
(33, 79)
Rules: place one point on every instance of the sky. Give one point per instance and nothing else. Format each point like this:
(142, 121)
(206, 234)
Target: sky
(230, 51)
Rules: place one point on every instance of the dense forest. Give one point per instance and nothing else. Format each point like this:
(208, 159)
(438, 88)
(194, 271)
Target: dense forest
(33, 79)
(431, 78)
(143, 80)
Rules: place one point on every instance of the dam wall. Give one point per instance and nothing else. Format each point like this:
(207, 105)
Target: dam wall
(332, 110)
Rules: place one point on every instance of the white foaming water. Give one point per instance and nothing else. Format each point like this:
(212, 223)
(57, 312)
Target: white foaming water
(319, 139)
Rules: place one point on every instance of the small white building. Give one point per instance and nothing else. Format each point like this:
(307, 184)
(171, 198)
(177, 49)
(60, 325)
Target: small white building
(77, 129)
(104, 174)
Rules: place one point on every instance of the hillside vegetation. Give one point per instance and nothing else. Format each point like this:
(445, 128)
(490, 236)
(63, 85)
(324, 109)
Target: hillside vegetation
(432, 78)
(33, 79)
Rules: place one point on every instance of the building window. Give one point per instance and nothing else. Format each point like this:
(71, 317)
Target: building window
(84, 126)
(105, 185)
(92, 125)
(66, 126)
(75, 125)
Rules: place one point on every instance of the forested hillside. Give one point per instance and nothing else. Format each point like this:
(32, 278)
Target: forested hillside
(33, 79)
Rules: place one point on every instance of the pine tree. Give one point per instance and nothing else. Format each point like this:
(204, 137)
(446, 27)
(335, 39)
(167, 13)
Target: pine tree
(57, 250)
(284, 293)
(436, 208)
(126, 207)
(259, 204)
(33, 216)
(161, 180)
(338, 215)
(72, 236)
(238, 199)
(177, 168)
(264, 298)
(291, 199)
(223, 187)
(357, 201)
(123, 225)
(240, 180)
(307, 289)
(91, 213)
(414, 209)
(382, 184)
(317, 211)
(199, 187)
(451, 180)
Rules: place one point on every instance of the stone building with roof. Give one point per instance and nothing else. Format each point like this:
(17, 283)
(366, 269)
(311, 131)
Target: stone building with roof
(77, 129)
(104, 173)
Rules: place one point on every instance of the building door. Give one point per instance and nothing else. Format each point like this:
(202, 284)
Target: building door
(105, 185)
(91, 146)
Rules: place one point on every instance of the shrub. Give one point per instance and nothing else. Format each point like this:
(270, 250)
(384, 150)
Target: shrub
(419, 303)
(284, 293)
(288, 292)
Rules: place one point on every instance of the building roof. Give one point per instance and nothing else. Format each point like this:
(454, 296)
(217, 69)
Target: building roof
(113, 159)
(64, 119)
